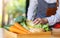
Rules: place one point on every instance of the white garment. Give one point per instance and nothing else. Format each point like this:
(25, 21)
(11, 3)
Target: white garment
(32, 7)
(52, 20)
(55, 18)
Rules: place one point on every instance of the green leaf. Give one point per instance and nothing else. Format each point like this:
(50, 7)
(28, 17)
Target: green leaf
(20, 19)
(38, 26)
(6, 27)
(24, 25)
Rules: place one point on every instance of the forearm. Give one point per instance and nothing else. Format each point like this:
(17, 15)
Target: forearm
(54, 18)
(32, 7)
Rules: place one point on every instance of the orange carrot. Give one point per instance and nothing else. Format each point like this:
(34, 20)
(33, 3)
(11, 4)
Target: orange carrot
(21, 28)
(14, 29)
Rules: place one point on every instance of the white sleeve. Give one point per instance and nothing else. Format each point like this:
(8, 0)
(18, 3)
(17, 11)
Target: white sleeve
(54, 18)
(32, 7)
(51, 1)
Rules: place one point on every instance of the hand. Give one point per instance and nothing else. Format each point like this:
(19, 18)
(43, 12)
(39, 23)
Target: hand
(40, 20)
(37, 20)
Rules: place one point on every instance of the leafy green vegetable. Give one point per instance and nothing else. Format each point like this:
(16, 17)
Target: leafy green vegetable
(20, 19)
(24, 25)
(46, 27)
(30, 24)
(7, 27)
(38, 26)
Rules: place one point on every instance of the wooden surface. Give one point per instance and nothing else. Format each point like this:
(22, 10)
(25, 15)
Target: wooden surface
(56, 32)
(8, 34)
(34, 36)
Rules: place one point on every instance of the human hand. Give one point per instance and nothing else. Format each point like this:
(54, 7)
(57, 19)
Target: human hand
(37, 21)
(40, 20)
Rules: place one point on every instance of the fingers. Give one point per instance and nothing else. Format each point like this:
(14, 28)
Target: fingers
(38, 20)
(35, 20)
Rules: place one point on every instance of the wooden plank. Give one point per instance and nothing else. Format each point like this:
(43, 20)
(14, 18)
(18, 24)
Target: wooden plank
(36, 35)
(8, 34)
(56, 32)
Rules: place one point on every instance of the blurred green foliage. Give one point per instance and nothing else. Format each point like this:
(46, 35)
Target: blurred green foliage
(16, 7)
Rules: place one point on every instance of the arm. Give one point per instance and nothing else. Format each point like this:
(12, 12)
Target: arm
(50, 1)
(50, 20)
(54, 18)
(32, 7)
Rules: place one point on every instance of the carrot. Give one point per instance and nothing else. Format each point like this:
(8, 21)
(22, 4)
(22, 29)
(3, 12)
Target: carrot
(14, 29)
(21, 28)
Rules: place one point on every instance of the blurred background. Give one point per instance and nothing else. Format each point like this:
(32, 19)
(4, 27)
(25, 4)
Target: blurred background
(11, 9)
(0, 12)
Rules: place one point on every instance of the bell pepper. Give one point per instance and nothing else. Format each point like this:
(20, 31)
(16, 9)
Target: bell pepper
(57, 25)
